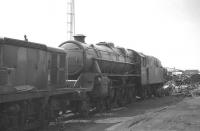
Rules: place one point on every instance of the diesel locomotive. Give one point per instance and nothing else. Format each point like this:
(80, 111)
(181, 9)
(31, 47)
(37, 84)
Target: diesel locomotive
(38, 83)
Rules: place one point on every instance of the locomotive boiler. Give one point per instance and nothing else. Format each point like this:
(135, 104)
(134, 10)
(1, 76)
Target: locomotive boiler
(110, 59)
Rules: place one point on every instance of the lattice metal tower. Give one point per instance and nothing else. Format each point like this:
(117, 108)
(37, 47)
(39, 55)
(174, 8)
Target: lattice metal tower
(70, 19)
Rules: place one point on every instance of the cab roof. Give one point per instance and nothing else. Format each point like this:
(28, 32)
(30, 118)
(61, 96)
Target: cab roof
(22, 43)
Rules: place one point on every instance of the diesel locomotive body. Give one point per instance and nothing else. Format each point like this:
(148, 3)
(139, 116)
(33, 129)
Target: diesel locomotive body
(32, 84)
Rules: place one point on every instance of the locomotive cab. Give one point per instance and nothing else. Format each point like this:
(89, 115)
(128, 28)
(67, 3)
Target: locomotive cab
(56, 67)
(23, 68)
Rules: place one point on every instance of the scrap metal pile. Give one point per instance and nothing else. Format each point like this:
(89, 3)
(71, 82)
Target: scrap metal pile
(183, 85)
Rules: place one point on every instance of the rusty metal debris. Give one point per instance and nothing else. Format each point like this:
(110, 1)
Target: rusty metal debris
(187, 85)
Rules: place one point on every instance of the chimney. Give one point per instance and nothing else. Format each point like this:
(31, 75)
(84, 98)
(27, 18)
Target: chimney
(80, 38)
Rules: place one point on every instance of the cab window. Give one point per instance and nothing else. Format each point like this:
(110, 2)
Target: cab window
(144, 62)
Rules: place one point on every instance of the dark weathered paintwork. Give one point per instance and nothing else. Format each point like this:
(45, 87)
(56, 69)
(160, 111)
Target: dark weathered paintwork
(56, 67)
(112, 60)
(30, 70)
(152, 71)
(28, 61)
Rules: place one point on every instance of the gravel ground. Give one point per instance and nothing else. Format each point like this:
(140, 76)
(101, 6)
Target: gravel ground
(184, 116)
(130, 117)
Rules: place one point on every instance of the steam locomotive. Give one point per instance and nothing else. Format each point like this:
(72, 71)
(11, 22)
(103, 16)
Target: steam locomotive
(38, 83)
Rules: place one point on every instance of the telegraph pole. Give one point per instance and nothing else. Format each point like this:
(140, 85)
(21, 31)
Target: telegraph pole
(70, 19)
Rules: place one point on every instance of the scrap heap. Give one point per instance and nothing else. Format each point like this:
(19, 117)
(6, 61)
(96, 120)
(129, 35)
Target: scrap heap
(183, 84)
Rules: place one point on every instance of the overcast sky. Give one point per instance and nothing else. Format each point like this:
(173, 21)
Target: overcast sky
(166, 29)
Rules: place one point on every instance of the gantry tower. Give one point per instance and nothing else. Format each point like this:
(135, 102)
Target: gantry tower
(70, 19)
